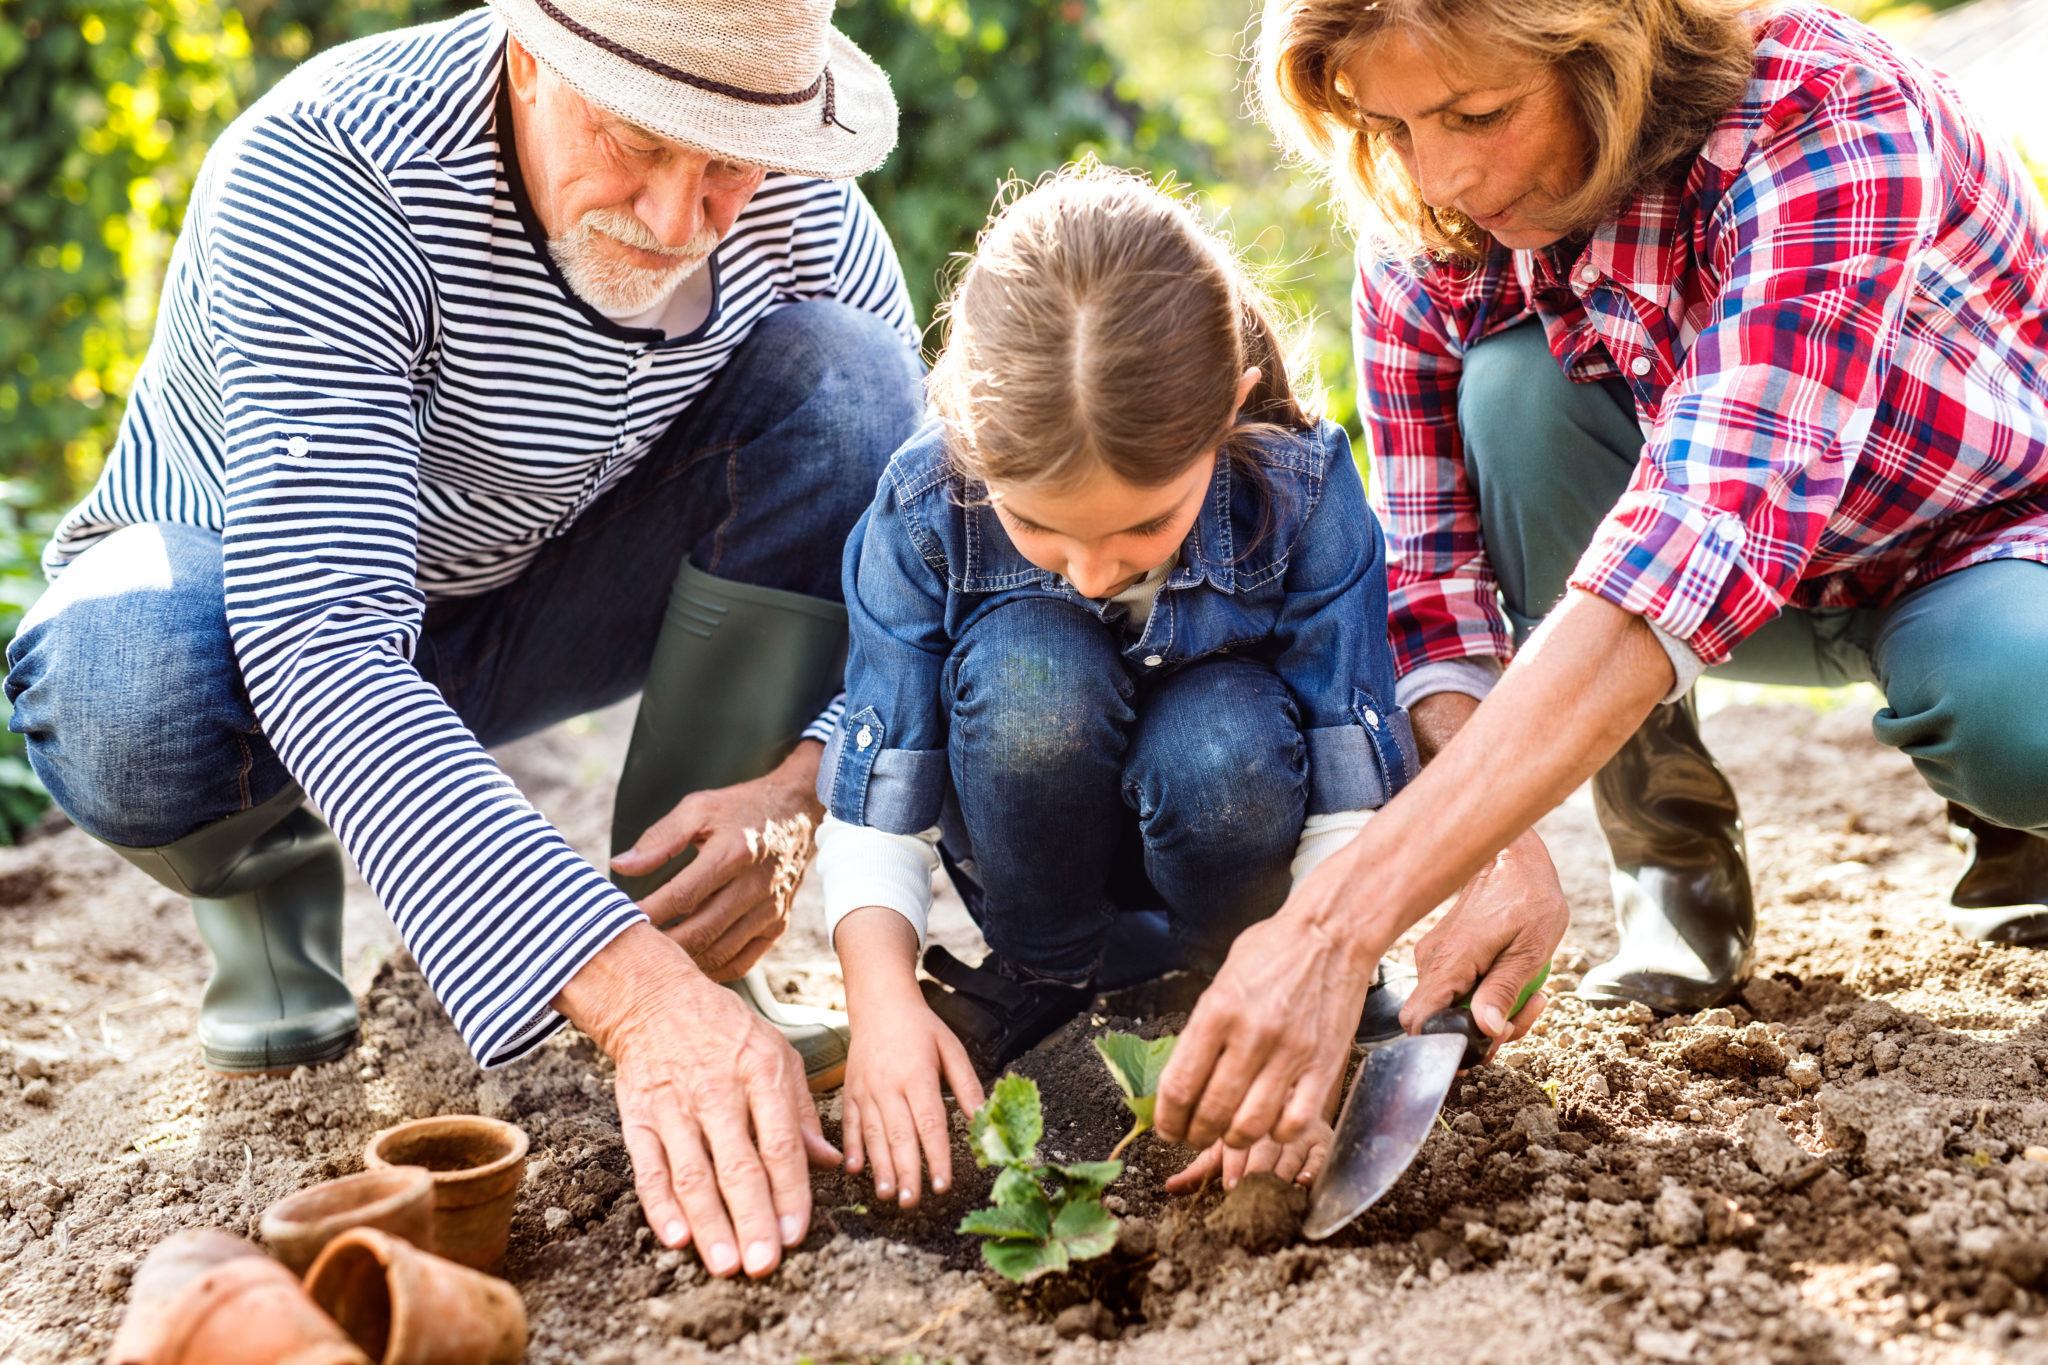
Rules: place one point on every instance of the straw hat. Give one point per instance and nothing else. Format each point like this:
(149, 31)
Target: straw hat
(766, 82)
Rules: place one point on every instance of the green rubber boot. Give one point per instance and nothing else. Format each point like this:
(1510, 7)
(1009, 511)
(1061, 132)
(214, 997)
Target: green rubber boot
(738, 672)
(266, 889)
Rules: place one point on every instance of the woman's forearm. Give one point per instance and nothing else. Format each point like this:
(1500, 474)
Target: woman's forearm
(1574, 694)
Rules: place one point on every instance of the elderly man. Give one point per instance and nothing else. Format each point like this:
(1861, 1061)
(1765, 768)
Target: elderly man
(477, 338)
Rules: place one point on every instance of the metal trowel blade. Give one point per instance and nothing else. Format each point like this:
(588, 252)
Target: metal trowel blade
(1399, 1090)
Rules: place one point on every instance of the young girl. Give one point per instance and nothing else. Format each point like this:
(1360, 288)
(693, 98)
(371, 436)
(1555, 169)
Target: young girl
(1118, 645)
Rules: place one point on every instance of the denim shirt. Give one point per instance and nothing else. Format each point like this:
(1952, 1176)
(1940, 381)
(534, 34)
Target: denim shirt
(1288, 568)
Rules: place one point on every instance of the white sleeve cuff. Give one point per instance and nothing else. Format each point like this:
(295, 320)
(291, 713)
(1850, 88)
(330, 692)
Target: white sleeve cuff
(1322, 836)
(1474, 677)
(1686, 666)
(859, 866)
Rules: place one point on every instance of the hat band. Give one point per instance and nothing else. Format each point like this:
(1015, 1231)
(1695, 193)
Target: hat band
(704, 83)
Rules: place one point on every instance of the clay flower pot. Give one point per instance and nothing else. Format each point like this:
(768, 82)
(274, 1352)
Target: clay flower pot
(477, 1165)
(406, 1307)
(209, 1298)
(396, 1199)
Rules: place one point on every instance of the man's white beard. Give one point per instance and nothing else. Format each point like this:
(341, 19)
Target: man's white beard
(596, 273)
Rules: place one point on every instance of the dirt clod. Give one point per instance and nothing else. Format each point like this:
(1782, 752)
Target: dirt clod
(1261, 1214)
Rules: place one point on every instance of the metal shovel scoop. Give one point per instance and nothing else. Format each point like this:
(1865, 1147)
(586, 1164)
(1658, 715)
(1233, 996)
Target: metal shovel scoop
(1399, 1090)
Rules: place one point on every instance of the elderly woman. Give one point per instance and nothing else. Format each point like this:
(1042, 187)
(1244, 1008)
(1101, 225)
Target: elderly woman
(1705, 338)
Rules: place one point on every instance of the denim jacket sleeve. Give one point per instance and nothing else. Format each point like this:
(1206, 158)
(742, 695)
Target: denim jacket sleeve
(1335, 654)
(886, 764)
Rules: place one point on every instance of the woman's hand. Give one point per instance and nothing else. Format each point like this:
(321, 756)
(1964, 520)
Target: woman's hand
(1270, 1036)
(1299, 1161)
(1499, 933)
(890, 1107)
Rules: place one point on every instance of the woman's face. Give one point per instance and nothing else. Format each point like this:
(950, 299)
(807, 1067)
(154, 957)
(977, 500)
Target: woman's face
(1500, 144)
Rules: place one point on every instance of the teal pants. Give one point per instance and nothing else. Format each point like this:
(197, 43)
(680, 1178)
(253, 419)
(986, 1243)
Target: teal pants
(1962, 662)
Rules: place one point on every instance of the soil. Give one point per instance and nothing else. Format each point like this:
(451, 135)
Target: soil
(1848, 1165)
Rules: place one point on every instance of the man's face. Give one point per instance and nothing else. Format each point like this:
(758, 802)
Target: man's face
(629, 215)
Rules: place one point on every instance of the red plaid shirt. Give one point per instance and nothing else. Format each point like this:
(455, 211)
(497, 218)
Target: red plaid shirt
(1836, 330)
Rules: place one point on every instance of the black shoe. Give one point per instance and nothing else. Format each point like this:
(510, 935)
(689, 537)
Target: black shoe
(2002, 896)
(997, 1010)
(1681, 875)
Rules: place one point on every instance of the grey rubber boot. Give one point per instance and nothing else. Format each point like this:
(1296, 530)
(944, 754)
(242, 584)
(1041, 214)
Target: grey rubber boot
(1681, 872)
(738, 672)
(2002, 896)
(266, 889)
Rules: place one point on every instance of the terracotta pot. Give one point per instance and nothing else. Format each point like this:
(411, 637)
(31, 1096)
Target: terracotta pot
(406, 1307)
(209, 1298)
(477, 1165)
(397, 1199)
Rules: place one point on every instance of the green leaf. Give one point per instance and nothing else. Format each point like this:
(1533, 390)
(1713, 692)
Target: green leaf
(1024, 1261)
(1088, 1179)
(1085, 1229)
(1006, 1129)
(1136, 1064)
(1009, 1222)
(1018, 1185)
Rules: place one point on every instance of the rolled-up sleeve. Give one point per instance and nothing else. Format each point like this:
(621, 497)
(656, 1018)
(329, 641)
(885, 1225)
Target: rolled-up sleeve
(886, 764)
(1760, 428)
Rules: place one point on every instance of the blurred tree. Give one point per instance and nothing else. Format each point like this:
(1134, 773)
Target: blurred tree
(992, 89)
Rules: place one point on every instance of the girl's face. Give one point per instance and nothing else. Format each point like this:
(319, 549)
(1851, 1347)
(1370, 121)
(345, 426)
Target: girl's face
(1103, 534)
(1501, 145)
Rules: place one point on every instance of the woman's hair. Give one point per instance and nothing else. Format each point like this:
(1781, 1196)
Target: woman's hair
(1100, 322)
(1647, 79)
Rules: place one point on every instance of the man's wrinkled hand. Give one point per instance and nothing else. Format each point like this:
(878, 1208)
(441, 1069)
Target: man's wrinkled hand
(1496, 936)
(712, 1103)
(721, 907)
(1268, 1038)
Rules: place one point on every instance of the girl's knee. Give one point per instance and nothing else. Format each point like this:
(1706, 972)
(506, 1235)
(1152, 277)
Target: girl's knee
(1037, 691)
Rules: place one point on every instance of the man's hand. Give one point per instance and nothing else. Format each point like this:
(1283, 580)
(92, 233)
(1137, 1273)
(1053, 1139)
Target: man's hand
(1270, 1036)
(1499, 932)
(712, 1102)
(720, 907)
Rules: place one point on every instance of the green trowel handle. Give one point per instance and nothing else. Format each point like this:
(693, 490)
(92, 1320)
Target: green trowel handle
(1458, 1019)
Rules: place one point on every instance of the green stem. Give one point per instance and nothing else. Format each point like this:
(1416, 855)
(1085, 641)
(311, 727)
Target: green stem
(1128, 1139)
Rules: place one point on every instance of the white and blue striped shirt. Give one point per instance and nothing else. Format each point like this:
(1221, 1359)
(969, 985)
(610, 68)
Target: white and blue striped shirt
(368, 376)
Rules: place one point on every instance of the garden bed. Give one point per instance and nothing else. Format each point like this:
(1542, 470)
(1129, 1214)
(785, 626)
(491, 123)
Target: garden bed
(1835, 1169)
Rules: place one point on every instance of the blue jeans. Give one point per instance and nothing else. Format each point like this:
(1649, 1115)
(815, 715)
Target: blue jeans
(1080, 790)
(1958, 660)
(124, 680)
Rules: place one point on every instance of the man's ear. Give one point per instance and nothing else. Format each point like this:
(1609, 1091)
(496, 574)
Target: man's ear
(522, 71)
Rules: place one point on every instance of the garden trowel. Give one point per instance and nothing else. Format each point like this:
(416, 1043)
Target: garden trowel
(1400, 1087)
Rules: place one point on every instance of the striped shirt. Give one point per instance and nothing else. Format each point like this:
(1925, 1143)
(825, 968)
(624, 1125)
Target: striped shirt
(369, 378)
(1834, 321)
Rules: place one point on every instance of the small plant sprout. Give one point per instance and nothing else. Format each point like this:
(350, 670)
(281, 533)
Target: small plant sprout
(1032, 1231)
(1137, 1065)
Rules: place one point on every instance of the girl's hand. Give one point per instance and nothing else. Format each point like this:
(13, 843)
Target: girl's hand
(1298, 1161)
(891, 1104)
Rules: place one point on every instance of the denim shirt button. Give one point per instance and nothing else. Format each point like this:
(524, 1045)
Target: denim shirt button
(1372, 718)
(866, 737)
(1153, 661)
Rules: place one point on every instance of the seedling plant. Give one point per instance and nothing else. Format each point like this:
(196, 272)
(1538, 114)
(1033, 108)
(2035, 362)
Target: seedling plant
(1044, 1216)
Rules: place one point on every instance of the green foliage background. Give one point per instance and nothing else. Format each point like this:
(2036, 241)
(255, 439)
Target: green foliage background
(108, 106)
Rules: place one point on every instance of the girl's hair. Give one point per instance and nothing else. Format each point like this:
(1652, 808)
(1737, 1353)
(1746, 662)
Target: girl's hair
(1100, 322)
(1648, 80)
